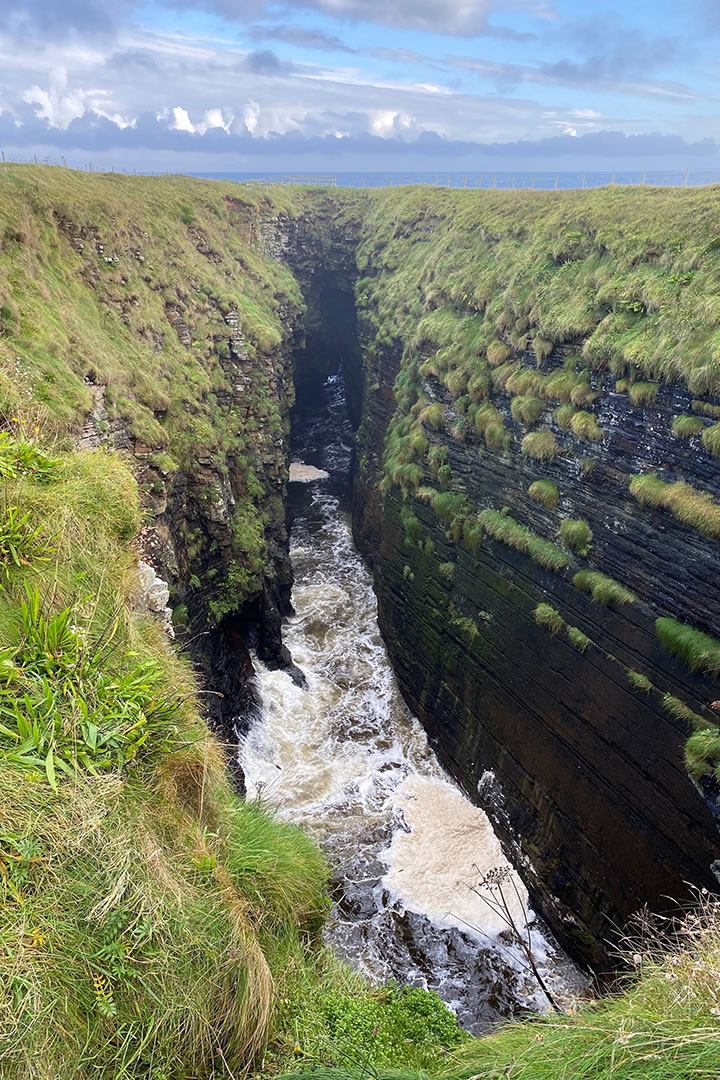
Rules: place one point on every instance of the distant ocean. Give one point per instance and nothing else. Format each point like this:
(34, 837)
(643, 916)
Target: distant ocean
(489, 179)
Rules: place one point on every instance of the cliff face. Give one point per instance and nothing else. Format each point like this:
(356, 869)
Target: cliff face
(566, 716)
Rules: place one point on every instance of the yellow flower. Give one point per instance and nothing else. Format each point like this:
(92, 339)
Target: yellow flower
(14, 420)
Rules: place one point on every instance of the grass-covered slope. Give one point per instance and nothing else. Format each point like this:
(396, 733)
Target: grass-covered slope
(152, 924)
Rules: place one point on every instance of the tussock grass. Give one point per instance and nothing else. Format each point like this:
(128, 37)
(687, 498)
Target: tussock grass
(544, 492)
(508, 531)
(711, 439)
(694, 508)
(643, 393)
(603, 589)
(585, 426)
(527, 409)
(698, 651)
(576, 534)
(541, 445)
(684, 427)
(549, 617)
(639, 681)
(577, 639)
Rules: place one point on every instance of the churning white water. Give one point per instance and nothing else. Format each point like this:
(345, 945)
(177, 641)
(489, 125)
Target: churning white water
(345, 758)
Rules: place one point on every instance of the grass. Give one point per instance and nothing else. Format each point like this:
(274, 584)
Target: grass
(711, 439)
(603, 589)
(698, 651)
(540, 445)
(639, 681)
(576, 534)
(577, 639)
(585, 426)
(684, 427)
(547, 616)
(544, 492)
(643, 393)
(693, 508)
(527, 409)
(663, 1026)
(508, 531)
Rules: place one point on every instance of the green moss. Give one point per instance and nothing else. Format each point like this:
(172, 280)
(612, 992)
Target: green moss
(541, 445)
(544, 492)
(694, 508)
(576, 534)
(684, 427)
(604, 589)
(697, 650)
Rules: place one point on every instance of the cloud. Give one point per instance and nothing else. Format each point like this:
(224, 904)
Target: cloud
(265, 62)
(596, 73)
(302, 37)
(56, 19)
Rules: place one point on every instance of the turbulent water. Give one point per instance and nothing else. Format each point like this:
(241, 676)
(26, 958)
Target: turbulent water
(345, 758)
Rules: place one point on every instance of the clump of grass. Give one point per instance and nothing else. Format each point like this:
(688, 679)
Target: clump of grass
(585, 426)
(698, 651)
(449, 505)
(711, 439)
(694, 508)
(544, 492)
(489, 423)
(705, 408)
(547, 616)
(680, 711)
(588, 465)
(702, 753)
(447, 570)
(508, 531)
(564, 415)
(526, 409)
(603, 589)
(576, 534)
(577, 639)
(638, 680)
(643, 393)
(684, 427)
(433, 416)
(498, 352)
(540, 445)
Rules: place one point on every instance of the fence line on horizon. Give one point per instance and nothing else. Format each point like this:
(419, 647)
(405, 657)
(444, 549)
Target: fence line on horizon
(521, 180)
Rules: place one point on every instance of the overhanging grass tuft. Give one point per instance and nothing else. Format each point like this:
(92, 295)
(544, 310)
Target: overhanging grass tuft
(698, 651)
(694, 508)
(603, 589)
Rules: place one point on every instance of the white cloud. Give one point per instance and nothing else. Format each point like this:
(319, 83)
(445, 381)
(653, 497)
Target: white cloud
(388, 123)
(58, 105)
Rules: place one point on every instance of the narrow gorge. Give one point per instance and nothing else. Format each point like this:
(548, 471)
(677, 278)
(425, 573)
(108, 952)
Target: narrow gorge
(521, 445)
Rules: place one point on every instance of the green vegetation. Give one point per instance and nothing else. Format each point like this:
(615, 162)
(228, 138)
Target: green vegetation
(576, 534)
(698, 651)
(684, 427)
(643, 393)
(711, 439)
(664, 1026)
(603, 589)
(547, 616)
(577, 639)
(527, 409)
(585, 426)
(680, 711)
(694, 508)
(639, 681)
(508, 531)
(541, 445)
(544, 492)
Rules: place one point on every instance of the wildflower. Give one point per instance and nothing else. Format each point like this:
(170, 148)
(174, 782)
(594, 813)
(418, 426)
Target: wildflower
(297, 1049)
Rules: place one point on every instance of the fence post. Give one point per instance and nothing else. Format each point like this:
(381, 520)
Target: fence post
(494, 181)
(612, 180)
(556, 183)
(512, 182)
(465, 180)
(532, 183)
(643, 179)
(685, 178)
(583, 182)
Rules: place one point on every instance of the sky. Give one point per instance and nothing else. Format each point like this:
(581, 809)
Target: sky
(370, 85)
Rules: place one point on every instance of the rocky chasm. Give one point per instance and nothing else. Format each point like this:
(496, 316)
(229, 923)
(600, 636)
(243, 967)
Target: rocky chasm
(524, 623)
